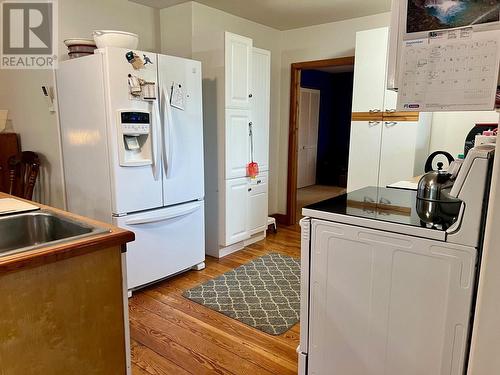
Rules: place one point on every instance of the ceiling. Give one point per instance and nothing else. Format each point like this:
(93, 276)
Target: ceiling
(288, 14)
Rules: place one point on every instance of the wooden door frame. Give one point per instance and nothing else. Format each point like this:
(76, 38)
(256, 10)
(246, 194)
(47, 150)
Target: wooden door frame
(291, 195)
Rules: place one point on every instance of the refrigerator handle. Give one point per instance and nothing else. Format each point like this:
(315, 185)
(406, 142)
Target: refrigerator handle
(167, 132)
(156, 140)
(173, 213)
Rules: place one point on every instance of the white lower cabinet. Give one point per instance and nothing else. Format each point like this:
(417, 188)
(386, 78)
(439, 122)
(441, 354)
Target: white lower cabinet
(387, 304)
(236, 207)
(257, 204)
(397, 151)
(364, 154)
(245, 208)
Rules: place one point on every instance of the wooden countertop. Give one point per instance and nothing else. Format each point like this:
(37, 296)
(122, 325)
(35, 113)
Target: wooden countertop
(50, 253)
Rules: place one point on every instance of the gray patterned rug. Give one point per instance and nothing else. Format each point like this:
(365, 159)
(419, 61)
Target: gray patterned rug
(263, 293)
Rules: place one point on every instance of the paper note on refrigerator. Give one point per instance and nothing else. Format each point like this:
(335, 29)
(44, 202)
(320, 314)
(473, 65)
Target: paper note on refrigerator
(177, 96)
(450, 73)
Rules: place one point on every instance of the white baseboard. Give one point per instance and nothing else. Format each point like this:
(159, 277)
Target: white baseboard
(226, 250)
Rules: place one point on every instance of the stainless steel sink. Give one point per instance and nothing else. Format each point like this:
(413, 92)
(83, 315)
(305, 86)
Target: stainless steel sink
(31, 230)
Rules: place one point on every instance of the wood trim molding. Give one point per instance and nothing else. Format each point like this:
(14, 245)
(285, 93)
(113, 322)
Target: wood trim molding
(401, 116)
(385, 116)
(291, 194)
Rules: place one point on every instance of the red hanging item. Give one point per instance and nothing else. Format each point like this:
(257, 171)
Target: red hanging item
(253, 166)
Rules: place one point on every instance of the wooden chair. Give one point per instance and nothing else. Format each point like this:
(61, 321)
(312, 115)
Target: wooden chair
(23, 172)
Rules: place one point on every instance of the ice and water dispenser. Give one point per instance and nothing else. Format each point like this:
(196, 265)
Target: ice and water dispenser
(134, 133)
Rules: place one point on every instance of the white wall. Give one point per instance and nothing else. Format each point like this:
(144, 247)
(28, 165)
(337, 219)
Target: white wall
(176, 25)
(449, 129)
(331, 40)
(21, 94)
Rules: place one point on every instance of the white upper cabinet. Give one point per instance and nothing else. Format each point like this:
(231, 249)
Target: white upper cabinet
(364, 154)
(238, 59)
(237, 142)
(261, 79)
(369, 70)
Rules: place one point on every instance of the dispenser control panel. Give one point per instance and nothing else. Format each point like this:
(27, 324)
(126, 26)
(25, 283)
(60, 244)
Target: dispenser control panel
(134, 138)
(135, 123)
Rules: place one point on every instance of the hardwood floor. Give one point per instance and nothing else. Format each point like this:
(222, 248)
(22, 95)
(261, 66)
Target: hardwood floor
(173, 335)
(315, 193)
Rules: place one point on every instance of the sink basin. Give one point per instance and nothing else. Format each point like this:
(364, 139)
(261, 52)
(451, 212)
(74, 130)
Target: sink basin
(28, 231)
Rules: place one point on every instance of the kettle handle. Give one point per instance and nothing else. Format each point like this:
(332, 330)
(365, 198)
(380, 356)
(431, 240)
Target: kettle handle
(430, 159)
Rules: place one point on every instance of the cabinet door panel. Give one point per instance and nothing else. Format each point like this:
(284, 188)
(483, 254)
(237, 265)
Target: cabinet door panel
(397, 154)
(238, 55)
(236, 211)
(261, 76)
(237, 142)
(369, 70)
(364, 154)
(257, 204)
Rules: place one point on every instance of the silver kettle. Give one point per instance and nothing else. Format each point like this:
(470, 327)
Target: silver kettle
(435, 206)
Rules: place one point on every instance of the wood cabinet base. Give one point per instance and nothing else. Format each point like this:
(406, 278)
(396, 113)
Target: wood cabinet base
(64, 317)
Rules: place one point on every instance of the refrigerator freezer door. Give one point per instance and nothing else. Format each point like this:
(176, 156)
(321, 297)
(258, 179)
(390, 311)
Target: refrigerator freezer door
(167, 241)
(134, 188)
(180, 79)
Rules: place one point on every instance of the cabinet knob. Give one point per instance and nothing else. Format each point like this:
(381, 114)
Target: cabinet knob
(374, 110)
(390, 123)
(249, 189)
(250, 95)
(390, 110)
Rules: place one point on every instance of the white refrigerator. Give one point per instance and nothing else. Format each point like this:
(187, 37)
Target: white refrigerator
(132, 143)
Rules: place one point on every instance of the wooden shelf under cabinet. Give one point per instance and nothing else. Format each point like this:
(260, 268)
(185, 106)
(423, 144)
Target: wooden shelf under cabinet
(385, 116)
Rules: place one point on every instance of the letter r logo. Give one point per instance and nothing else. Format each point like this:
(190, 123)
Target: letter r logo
(27, 28)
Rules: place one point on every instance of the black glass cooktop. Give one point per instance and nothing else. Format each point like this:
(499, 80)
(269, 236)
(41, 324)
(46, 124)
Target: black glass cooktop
(377, 203)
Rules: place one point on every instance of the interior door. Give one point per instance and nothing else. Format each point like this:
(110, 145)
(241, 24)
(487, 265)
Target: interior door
(236, 211)
(238, 57)
(237, 142)
(181, 99)
(398, 151)
(364, 154)
(261, 79)
(308, 136)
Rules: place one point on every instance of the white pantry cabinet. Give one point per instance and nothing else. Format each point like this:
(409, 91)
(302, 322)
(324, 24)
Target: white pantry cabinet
(236, 79)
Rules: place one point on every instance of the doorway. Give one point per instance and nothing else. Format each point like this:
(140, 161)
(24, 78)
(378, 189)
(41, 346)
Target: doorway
(320, 120)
